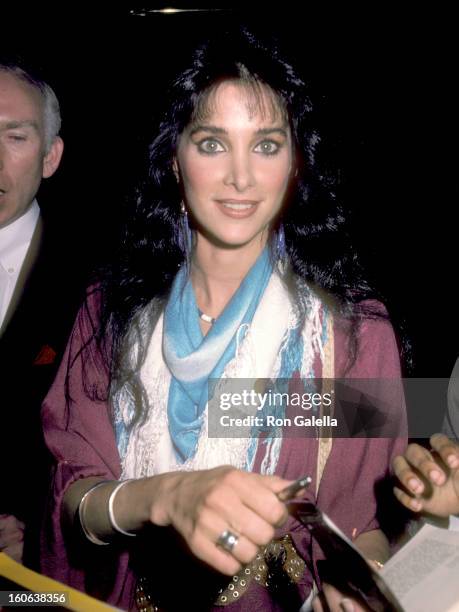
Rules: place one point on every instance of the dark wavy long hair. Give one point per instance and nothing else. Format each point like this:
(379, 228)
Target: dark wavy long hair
(315, 225)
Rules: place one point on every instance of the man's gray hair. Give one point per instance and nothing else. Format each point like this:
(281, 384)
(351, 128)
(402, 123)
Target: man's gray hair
(51, 109)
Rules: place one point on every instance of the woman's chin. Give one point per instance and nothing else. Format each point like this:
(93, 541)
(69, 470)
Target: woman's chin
(233, 242)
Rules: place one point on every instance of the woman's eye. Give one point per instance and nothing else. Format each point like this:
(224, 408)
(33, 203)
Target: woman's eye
(209, 146)
(268, 147)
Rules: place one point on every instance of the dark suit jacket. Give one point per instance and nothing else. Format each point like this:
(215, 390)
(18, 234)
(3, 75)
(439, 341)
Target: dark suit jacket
(32, 341)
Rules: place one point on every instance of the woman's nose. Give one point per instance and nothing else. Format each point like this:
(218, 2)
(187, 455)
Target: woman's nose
(239, 172)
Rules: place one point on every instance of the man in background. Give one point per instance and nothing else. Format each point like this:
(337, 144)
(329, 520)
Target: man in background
(38, 300)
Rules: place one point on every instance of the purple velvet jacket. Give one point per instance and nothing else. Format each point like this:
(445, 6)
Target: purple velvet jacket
(79, 433)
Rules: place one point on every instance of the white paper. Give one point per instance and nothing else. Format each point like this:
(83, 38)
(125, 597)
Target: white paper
(424, 574)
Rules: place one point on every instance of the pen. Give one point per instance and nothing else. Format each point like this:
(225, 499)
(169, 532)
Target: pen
(290, 491)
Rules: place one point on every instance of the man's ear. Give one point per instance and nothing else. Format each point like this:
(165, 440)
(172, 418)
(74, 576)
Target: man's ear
(52, 159)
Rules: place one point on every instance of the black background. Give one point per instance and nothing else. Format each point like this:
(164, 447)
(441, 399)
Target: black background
(388, 78)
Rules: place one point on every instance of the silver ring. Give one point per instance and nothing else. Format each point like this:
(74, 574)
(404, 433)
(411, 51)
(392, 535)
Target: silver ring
(227, 540)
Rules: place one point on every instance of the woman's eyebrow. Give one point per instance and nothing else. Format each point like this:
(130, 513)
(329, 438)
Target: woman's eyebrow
(213, 129)
(273, 130)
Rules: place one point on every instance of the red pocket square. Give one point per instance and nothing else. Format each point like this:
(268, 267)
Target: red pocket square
(46, 356)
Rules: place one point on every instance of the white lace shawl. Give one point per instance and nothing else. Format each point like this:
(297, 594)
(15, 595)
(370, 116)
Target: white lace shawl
(258, 355)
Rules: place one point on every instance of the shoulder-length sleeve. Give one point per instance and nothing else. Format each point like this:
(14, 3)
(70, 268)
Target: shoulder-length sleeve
(355, 488)
(79, 434)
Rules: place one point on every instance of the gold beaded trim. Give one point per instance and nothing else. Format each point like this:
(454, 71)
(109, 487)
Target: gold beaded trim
(294, 566)
(143, 600)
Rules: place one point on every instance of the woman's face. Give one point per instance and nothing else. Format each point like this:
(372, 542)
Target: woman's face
(235, 166)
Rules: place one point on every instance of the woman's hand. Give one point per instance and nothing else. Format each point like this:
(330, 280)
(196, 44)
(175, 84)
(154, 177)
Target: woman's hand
(202, 505)
(430, 480)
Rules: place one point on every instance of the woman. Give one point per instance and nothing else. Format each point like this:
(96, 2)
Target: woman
(235, 264)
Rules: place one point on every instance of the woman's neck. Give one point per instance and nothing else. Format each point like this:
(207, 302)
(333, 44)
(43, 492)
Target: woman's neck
(217, 273)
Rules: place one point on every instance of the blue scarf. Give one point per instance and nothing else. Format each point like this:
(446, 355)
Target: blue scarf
(193, 359)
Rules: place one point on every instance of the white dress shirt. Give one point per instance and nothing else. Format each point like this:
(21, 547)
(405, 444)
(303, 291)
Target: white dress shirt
(14, 242)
